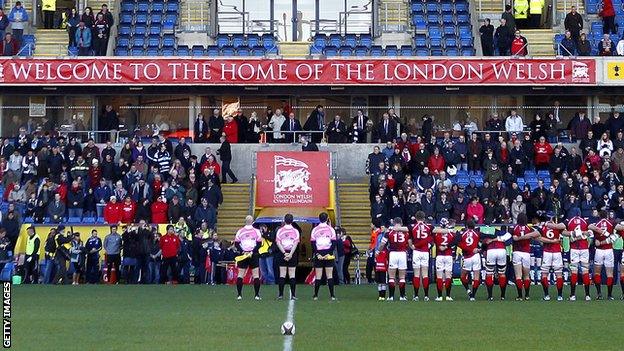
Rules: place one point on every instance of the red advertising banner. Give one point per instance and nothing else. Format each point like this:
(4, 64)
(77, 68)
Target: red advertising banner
(287, 179)
(179, 71)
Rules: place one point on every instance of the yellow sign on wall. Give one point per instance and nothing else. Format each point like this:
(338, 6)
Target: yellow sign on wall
(615, 70)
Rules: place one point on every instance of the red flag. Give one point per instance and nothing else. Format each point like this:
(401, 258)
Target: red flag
(311, 277)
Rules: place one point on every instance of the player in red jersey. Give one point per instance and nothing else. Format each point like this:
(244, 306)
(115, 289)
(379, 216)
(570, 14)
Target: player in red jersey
(577, 230)
(603, 257)
(420, 242)
(521, 259)
(444, 240)
(396, 241)
(470, 242)
(496, 262)
(551, 238)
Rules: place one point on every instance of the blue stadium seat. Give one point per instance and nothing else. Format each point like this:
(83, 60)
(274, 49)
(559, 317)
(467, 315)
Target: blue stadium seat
(243, 51)
(315, 50)
(183, 50)
(361, 51)
(435, 32)
(330, 51)
(173, 6)
(212, 51)
(124, 29)
(238, 40)
(366, 40)
(392, 51)
(223, 40)
(448, 19)
(435, 42)
(461, 7)
(335, 40)
(29, 220)
(465, 42)
(153, 41)
(139, 30)
(437, 52)
(464, 32)
(407, 50)
(450, 42)
(376, 51)
(258, 51)
(253, 40)
(463, 18)
(449, 30)
(168, 27)
(72, 51)
(451, 51)
(433, 7)
(320, 41)
(155, 29)
(168, 41)
(420, 40)
(123, 41)
(140, 18)
(422, 52)
(345, 51)
(156, 18)
(125, 18)
(228, 51)
(197, 50)
(167, 51)
(171, 18)
(137, 51)
(138, 42)
(121, 51)
(433, 19)
(417, 7)
(268, 41)
(350, 40)
(127, 7)
(158, 6)
(467, 51)
(446, 7)
(143, 6)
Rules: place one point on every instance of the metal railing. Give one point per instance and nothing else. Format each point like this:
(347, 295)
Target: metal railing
(285, 135)
(67, 131)
(559, 47)
(29, 50)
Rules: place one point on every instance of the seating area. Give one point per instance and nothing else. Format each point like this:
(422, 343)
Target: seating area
(147, 28)
(346, 45)
(27, 47)
(595, 35)
(442, 28)
(531, 178)
(239, 45)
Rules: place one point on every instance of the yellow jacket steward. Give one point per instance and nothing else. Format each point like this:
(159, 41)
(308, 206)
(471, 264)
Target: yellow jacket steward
(537, 7)
(264, 248)
(49, 5)
(521, 9)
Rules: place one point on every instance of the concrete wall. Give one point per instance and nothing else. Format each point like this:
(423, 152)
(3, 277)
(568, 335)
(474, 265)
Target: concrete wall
(351, 158)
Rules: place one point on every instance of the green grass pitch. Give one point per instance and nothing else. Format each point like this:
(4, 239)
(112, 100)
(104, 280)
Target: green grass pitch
(181, 317)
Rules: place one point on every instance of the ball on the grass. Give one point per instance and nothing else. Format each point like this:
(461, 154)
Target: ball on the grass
(288, 328)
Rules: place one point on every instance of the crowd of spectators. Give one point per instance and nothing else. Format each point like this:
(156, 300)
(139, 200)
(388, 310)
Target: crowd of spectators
(481, 175)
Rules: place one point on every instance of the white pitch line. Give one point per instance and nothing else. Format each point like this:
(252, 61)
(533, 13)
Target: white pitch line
(290, 317)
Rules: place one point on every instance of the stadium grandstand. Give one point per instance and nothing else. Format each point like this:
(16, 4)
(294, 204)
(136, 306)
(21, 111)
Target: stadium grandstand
(476, 146)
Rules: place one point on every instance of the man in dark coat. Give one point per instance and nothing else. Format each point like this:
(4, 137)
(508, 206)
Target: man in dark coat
(200, 129)
(386, 129)
(503, 38)
(487, 38)
(291, 125)
(225, 153)
(215, 123)
(336, 131)
(316, 123)
(360, 121)
(574, 23)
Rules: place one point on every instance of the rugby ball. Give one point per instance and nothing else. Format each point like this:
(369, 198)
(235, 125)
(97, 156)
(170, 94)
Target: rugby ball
(288, 328)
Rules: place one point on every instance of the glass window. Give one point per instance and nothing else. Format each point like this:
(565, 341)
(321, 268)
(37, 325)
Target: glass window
(259, 16)
(230, 16)
(330, 16)
(359, 16)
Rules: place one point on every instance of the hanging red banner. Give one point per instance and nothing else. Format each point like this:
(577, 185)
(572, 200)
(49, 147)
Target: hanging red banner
(180, 71)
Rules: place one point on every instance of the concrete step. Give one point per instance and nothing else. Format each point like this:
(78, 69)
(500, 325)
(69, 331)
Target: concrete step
(294, 48)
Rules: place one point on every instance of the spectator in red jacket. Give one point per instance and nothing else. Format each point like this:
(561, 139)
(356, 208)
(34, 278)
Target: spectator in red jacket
(112, 211)
(159, 211)
(128, 210)
(608, 17)
(475, 210)
(8, 46)
(95, 173)
(436, 162)
(169, 246)
(231, 130)
(211, 162)
(543, 151)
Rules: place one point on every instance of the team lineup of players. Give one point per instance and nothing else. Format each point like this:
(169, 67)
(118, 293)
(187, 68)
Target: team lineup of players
(248, 240)
(394, 244)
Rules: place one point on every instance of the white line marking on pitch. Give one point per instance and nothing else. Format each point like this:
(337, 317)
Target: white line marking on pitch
(290, 317)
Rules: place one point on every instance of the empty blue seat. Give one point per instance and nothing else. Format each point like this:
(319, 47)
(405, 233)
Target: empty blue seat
(407, 50)
(432, 7)
(422, 52)
(446, 7)
(197, 50)
(448, 19)
(435, 42)
(435, 32)
(124, 29)
(223, 40)
(433, 19)
(461, 7)
(419, 19)
(156, 18)
(137, 51)
(167, 51)
(183, 50)
(437, 52)
(366, 40)
(73, 51)
(350, 40)
(171, 18)
(450, 42)
(158, 6)
(467, 51)
(452, 52)
(253, 40)
(153, 41)
(140, 18)
(391, 50)
(449, 30)
(361, 51)
(417, 7)
(315, 50)
(259, 51)
(463, 18)
(238, 40)
(376, 51)
(335, 40)
(172, 6)
(121, 51)
(465, 42)
(127, 7)
(330, 51)
(152, 51)
(138, 41)
(243, 51)
(168, 41)
(139, 30)
(123, 41)
(155, 29)
(212, 51)
(227, 51)
(143, 6)
(168, 26)
(125, 18)
(345, 51)
(268, 41)
(320, 41)
(271, 51)
(420, 41)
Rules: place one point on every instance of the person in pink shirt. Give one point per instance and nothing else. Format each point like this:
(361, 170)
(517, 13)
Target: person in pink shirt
(475, 210)
(323, 240)
(287, 239)
(248, 240)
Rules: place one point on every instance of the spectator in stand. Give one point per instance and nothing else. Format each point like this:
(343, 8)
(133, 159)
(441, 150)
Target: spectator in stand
(386, 129)
(83, 39)
(615, 124)
(216, 124)
(254, 128)
(200, 129)
(486, 31)
(474, 154)
(567, 47)
(18, 18)
(583, 47)
(101, 30)
(73, 20)
(108, 17)
(514, 124)
(605, 46)
(608, 17)
(241, 123)
(579, 126)
(10, 46)
(225, 153)
(88, 17)
(290, 126)
(536, 7)
(316, 123)
(543, 153)
(4, 23)
(56, 209)
(112, 212)
(230, 130)
(336, 131)
(605, 146)
(159, 211)
(475, 210)
(519, 45)
(359, 123)
(573, 23)
(510, 20)
(276, 123)
(75, 200)
(436, 163)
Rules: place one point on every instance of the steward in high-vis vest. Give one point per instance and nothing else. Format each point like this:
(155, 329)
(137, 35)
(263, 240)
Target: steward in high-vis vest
(31, 263)
(49, 9)
(521, 13)
(535, 12)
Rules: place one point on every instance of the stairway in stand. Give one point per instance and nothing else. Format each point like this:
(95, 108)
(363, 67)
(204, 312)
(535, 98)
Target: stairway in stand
(294, 48)
(540, 41)
(232, 212)
(355, 212)
(394, 15)
(51, 42)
